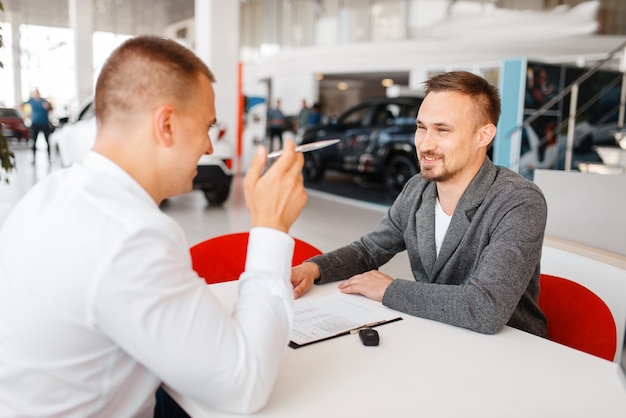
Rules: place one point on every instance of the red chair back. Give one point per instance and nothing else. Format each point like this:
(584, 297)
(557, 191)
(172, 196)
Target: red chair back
(223, 258)
(577, 317)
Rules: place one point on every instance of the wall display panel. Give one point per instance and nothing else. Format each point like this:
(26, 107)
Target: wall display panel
(539, 140)
(544, 139)
(543, 83)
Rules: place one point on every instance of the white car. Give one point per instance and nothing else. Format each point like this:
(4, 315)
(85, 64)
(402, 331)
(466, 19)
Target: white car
(73, 141)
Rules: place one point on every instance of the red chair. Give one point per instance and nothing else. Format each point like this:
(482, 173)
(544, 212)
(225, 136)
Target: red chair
(577, 317)
(223, 258)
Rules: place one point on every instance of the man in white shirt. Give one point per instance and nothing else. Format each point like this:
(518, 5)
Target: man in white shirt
(99, 304)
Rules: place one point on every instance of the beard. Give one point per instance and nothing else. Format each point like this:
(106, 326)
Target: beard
(436, 173)
(431, 174)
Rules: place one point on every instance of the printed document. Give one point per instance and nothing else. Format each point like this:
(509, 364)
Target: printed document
(318, 319)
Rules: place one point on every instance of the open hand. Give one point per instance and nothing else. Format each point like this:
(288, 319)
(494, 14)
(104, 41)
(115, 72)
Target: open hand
(371, 284)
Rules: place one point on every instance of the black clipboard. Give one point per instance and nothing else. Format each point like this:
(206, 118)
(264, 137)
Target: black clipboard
(348, 332)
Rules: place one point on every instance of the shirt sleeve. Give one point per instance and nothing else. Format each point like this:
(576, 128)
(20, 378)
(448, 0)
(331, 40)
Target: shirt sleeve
(154, 306)
(369, 252)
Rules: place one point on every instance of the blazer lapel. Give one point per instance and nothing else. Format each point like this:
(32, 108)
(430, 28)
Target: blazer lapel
(425, 227)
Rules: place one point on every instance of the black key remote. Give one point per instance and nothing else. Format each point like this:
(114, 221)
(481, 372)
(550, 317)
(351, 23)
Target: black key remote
(369, 336)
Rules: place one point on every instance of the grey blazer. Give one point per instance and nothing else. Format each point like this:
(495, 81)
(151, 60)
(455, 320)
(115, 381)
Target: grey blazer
(487, 271)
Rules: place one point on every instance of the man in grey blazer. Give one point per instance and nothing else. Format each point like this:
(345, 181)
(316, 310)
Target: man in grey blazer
(473, 231)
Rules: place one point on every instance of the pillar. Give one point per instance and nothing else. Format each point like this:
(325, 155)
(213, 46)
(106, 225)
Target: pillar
(15, 21)
(81, 23)
(217, 44)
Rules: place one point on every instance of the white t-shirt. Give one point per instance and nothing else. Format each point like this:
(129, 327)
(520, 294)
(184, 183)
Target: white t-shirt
(99, 305)
(442, 222)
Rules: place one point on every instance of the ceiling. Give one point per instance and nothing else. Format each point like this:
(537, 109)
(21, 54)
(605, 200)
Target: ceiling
(119, 16)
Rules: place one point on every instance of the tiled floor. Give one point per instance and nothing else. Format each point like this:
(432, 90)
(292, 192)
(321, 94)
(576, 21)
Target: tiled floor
(327, 221)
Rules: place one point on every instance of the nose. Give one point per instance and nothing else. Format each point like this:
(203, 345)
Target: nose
(209, 149)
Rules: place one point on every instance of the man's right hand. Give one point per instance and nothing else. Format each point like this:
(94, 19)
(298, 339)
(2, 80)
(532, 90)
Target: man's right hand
(302, 278)
(275, 198)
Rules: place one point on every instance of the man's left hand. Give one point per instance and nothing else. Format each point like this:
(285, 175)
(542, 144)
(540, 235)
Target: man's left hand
(371, 284)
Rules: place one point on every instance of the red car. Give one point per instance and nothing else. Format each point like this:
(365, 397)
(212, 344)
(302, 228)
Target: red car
(13, 125)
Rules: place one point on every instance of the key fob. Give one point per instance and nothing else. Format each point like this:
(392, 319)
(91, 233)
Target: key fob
(369, 336)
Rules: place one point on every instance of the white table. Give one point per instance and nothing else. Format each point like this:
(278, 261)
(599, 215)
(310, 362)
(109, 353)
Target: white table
(425, 368)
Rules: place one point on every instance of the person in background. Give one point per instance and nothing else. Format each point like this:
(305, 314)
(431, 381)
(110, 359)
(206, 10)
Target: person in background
(303, 117)
(473, 231)
(40, 122)
(99, 304)
(276, 125)
(315, 117)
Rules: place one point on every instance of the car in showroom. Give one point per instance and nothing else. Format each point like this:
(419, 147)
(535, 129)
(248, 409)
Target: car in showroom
(73, 140)
(13, 124)
(376, 143)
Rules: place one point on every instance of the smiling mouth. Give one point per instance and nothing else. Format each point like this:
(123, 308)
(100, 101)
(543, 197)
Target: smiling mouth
(430, 158)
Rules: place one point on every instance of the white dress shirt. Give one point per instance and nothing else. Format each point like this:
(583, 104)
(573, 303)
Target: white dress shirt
(99, 305)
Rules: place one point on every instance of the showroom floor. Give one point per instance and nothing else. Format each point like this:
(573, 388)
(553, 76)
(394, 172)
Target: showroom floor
(326, 222)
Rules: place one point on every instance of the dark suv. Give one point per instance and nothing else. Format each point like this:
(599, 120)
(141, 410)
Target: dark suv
(376, 141)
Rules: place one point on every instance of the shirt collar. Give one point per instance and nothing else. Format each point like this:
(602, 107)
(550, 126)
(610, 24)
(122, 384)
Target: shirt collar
(103, 165)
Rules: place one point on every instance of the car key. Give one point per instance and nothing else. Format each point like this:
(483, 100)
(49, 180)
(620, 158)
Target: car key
(369, 336)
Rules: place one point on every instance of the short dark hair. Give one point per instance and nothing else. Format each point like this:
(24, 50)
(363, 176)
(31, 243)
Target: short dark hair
(485, 96)
(143, 69)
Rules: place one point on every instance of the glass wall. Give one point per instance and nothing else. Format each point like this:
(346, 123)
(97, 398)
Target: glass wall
(389, 20)
(298, 25)
(271, 25)
(275, 24)
(353, 20)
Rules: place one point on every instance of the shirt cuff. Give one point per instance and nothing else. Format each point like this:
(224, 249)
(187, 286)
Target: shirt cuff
(270, 252)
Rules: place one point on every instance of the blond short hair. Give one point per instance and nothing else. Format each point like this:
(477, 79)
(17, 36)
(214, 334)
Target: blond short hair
(143, 70)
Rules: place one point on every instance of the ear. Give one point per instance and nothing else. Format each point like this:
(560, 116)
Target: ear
(486, 134)
(164, 124)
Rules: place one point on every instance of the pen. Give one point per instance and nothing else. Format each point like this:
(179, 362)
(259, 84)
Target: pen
(372, 325)
(306, 147)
